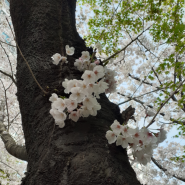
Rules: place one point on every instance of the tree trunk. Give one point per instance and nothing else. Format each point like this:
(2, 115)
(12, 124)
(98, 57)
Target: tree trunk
(79, 153)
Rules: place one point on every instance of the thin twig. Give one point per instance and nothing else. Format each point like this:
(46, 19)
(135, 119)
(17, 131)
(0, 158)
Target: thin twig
(147, 49)
(137, 96)
(162, 104)
(93, 55)
(8, 59)
(9, 77)
(7, 43)
(112, 56)
(175, 74)
(131, 98)
(156, 75)
(150, 106)
(14, 118)
(143, 81)
(27, 62)
(110, 19)
(149, 92)
(6, 105)
(10, 167)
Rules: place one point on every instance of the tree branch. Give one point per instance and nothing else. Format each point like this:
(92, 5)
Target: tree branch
(8, 59)
(11, 146)
(164, 170)
(156, 75)
(138, 79)
(126, 45)
(150, 106)
(162, 104)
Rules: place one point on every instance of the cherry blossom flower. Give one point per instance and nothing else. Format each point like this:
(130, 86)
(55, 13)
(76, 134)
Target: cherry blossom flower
(86, 64)
(125, 131)
(89, 102)
(111, 136)
(116, 127)
(142, 157)
(148, 137)
(56, 58)
(92, 66)
(102, 86)
(84, 86)
(79, 64)
(84, 111)
(59, 104)
(53, 98)
(89, 76)
(122, 141)
(98, 71)
(95, 108)
(70, 84)
(85, 56)
(60, 123)
(71, 104)
(91, 87)
(138, 135)
(74, 116)
(64, 84)
(98, 46)
(70, 50)
(64, 60)
(58, 116)
(77, 94)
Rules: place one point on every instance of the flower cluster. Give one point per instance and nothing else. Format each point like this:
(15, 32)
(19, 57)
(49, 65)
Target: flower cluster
(84, 63)
(82, 101)
(141, 141)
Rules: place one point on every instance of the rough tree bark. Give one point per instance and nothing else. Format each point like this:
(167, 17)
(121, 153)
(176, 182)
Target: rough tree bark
(79, 153)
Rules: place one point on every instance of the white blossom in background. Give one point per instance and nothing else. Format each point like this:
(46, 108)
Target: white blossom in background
(98, 46)
(12, 169)
(135, 60)
(149, 113)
